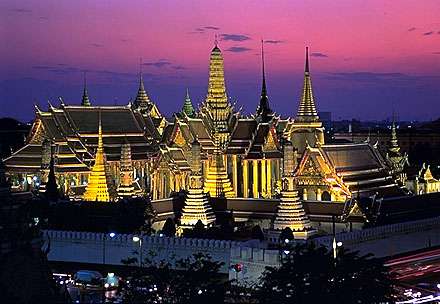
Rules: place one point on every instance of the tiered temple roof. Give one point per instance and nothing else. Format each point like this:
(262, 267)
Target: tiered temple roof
(355, 169)
(73, 130)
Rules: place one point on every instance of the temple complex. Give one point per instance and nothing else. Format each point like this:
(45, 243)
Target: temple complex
(112, 152)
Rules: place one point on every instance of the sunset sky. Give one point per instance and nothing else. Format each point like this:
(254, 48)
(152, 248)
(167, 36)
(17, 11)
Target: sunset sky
(368, 57)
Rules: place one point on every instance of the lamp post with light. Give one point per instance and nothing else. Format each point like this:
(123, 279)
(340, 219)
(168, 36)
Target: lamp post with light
(138, 239)
(104, 239)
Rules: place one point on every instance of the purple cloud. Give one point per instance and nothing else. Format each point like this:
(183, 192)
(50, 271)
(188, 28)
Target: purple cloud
(274, 41)
(317, 54)
(158, 64)
(411, 29)
(428, 33)
(238, 49)
(234, 37)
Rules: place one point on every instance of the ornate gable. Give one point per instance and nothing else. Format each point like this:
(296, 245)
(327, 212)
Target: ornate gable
(311, 169)
(37, 132)
(315, 169)
(177, 137)
(271, 142)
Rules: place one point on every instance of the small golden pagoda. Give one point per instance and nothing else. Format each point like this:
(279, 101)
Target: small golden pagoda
(126, 186)
(197, 205)
(290, 211)
(99, 187)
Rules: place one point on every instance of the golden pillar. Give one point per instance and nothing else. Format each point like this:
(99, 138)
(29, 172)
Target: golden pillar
(153, 186)
(245, 179)
(263, 178)
(171, 182)
(318, 195)
(305, 194)
(269, 178)
(255, 178)
(234, 174)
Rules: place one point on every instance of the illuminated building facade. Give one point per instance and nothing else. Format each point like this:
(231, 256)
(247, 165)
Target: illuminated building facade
(239, 156)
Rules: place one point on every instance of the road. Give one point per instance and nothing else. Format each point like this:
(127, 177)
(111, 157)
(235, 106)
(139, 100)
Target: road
(418, 275)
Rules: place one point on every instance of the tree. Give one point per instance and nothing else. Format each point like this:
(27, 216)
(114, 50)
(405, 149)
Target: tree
(257, 233)
(169, 228)
(310, 274)
(286, 234)
(150, 215)
(199, 230)
(196, 281)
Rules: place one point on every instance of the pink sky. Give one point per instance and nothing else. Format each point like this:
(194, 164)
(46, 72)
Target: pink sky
(50, 42)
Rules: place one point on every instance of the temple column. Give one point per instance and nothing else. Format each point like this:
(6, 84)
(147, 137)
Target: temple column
(171, 181)
(162, 185)
(245, 179)
(255, 178)
(153, 186)
(305, 194)
(234, 174)
(263, 178)
(269, 178)
(318, 195)
(184, 181)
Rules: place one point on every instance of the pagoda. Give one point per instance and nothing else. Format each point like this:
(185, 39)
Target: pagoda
(99, 187)
(307, 128)
(85, 101)
(217, 112)
(126, 187)
(290, 211)
(396, 160)
(197, 206)
(188, 108)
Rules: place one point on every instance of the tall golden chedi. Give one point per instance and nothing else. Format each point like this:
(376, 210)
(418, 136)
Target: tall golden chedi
(99, 187)
(197, 206)
(290, 211)
(307, 128)
(217, 111)
(126, 187)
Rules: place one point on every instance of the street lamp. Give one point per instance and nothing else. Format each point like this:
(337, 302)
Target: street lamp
(335, 247)
(104, 239)
(137, 239)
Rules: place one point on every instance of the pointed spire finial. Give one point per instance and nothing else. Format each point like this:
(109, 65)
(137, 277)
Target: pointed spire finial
(307, 70)
(142, 99)
(85, 98)
(263, 110)
(263, 89)
(307, 108)
(216, 40)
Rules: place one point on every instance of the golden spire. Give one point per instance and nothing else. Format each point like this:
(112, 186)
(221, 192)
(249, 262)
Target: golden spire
(307, 108)
(99, 186)
(216, 100)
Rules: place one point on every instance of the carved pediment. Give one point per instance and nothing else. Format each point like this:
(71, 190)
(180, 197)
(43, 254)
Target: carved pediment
(270, 143)
(355, 211)
(311, 169)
